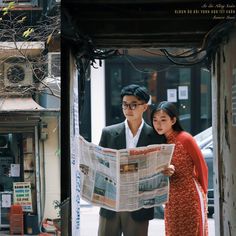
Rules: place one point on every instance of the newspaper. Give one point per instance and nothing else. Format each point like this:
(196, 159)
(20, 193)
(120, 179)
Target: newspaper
(125, 179)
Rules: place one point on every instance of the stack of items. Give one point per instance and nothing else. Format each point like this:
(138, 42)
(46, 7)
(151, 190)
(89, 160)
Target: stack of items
(16, 220)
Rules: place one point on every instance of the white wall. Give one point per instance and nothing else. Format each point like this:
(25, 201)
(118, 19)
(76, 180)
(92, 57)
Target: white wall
(97, 102)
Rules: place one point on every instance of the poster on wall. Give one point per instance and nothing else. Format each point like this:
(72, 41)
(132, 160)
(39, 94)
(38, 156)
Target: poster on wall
(15, 170)
(75, 176)
(6, 200)
(183, 92)
(22, 195)
(171, 95)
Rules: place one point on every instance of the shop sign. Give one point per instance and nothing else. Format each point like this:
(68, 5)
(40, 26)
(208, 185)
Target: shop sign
(22, 195)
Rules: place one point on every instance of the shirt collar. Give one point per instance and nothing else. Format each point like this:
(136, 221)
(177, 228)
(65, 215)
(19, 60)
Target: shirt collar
(140, 127)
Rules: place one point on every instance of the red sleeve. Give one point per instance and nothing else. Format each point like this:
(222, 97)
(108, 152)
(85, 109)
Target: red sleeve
(201, 169)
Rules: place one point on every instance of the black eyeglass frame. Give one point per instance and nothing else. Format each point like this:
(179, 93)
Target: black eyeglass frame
(131, 106)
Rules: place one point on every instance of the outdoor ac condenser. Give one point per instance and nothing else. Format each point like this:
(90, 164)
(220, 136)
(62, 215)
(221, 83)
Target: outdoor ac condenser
(17, 74)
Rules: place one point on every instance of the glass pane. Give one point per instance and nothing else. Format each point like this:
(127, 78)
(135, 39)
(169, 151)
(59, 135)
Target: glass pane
(184, 98)
(115, 78)
(206, 112)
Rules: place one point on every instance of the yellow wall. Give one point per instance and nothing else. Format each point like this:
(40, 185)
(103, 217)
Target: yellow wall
(52, 167)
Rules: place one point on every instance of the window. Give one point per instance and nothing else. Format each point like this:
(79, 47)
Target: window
(188, 87)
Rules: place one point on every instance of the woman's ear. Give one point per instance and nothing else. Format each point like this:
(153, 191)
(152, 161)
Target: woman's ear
(173, 120)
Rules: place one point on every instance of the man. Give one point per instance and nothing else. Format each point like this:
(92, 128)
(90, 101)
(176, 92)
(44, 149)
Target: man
(133, 132)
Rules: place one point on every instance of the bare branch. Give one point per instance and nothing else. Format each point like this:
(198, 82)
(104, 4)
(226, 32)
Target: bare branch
(15, 27)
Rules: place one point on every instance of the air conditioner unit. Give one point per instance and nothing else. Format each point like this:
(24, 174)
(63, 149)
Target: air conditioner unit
(17, 74)
(54, 64)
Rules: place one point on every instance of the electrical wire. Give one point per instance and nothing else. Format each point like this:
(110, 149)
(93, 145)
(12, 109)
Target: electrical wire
(135, 68)
(210, 42)
(86, 52)
(172, 59)
(147, 72)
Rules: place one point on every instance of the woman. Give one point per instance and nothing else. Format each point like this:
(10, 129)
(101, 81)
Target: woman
(186, 210)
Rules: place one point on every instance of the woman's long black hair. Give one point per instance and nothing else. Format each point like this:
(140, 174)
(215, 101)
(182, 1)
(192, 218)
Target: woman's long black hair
(171, 111)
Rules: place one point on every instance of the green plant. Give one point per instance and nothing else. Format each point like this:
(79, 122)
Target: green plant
(57, 206)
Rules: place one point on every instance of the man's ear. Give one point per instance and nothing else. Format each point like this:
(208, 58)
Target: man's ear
(145, 107)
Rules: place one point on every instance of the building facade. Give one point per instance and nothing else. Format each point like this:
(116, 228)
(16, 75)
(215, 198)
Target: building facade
(29, 111)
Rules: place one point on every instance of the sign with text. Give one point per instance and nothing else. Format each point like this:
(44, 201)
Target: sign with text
(75, 176)
(22, 195)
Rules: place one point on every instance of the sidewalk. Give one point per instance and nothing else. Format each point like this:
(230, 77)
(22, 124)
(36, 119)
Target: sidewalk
(89, 223)
(90, 216)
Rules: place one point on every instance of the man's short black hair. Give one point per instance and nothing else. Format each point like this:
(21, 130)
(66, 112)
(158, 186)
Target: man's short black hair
(135, 90)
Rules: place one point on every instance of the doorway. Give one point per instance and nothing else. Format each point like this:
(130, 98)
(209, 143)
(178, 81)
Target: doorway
(17, 166)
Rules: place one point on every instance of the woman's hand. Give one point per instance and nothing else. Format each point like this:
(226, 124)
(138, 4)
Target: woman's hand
(169, 170)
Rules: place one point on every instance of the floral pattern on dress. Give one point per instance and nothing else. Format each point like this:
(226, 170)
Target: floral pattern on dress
(183, 216)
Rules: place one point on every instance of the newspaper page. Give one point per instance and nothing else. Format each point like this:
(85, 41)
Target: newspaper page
(98, 168)
(126, 179)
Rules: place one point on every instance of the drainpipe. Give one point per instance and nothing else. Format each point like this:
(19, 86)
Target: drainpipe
(38, 182)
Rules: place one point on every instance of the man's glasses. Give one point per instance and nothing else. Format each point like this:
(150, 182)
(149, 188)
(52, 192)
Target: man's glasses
(132, 106)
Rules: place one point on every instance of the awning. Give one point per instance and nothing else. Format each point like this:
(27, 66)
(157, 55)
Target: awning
(24, 105)
(17, 113)
(19, 104)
